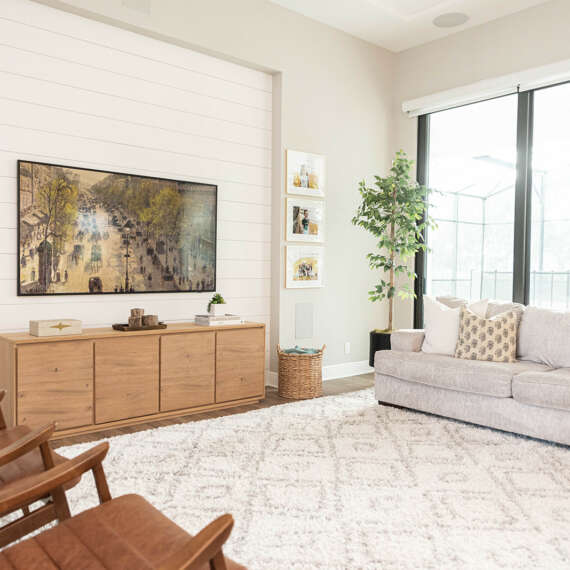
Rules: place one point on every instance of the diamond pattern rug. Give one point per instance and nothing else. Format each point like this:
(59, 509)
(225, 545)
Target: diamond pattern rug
(341, 482)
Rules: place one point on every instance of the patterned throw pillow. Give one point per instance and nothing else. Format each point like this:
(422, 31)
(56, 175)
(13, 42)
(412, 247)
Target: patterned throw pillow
(493, 339)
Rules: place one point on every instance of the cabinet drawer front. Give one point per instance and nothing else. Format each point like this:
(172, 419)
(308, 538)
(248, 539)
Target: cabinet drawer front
(240, 363)
(55, 383)
(126, 378)
(187, 370)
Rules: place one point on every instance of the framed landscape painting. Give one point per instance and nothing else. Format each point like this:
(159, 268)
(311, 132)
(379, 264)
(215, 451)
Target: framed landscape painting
(304, 267)
(305, 220)
(84, 231)
(305, 174)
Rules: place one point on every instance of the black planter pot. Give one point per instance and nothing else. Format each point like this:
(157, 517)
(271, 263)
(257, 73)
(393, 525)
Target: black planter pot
(378, 341)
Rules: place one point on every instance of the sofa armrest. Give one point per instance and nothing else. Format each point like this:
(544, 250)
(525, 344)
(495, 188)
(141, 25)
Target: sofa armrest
(407, 340)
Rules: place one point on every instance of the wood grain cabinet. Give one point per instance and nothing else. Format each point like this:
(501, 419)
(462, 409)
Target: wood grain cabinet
(240, 362)
(55, 383)
(126, 373)
(104, 378)
(187, 370)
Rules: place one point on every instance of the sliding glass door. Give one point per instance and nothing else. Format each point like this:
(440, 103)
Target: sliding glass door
(472, 157)
(500, 170)
(550, 235)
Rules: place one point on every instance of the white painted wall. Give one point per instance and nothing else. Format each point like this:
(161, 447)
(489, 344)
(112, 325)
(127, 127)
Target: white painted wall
(335, 98)
(81, 93)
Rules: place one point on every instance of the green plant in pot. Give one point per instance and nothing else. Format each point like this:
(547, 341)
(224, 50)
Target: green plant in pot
(217, 305)
(394, 211)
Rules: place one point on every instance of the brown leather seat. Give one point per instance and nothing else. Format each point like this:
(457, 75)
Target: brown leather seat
(127, 533)
(27, 464)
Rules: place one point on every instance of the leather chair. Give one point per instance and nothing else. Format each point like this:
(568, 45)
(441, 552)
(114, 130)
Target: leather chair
(126, 532)
(24, 452)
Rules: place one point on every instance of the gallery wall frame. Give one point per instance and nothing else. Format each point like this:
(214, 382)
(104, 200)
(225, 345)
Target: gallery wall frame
(77, 232)
(305, 173)
(304, 266)
(305, 220)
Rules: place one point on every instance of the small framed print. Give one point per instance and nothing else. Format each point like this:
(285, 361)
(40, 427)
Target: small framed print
(304, 266)
(305, 220)
(305, 174)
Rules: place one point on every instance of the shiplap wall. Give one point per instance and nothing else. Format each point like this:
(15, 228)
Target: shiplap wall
(77, 92)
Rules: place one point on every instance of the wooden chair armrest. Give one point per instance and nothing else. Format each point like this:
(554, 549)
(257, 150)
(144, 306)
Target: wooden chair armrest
(25, 491)
(204, 547)
(26, 443)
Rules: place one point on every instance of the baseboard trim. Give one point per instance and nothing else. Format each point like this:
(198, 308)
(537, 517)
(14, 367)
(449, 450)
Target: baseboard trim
(329, 372)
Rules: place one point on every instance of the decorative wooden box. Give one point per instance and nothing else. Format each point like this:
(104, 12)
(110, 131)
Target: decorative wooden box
(60, 327)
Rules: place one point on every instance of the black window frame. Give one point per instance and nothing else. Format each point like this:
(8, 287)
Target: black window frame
(523, 201)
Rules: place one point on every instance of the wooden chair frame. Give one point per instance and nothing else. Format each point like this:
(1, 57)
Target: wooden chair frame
(205, 547)
(55, 507)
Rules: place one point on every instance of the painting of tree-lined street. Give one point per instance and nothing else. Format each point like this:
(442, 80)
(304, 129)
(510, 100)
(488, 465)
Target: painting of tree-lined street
(89, 231)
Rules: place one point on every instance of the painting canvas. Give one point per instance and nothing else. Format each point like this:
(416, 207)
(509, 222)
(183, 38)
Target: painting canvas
(305, 173)
(305, 220)
(83, 231)
(304, 267)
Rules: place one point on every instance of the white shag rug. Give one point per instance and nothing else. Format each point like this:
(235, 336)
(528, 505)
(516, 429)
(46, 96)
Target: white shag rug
(341, 482)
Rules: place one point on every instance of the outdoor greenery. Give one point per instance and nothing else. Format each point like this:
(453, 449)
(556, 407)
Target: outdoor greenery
(394, 210)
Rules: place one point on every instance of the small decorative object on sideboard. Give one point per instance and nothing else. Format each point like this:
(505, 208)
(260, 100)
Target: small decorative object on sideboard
(217, 305)
(138, 321)
(58, 327)
(220, 320)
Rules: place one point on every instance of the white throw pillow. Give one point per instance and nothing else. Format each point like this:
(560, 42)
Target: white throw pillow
(441, 324)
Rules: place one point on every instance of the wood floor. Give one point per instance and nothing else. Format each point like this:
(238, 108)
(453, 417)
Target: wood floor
(330, 388)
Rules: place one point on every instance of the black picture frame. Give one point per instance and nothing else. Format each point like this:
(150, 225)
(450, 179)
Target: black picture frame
(214, 188)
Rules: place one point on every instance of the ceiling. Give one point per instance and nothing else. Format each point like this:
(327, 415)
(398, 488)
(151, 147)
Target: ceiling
(401, 24)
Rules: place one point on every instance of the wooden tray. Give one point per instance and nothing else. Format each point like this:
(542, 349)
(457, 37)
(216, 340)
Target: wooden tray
(126, 327)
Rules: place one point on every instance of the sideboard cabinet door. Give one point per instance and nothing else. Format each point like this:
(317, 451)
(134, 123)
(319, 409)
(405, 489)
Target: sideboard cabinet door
(55, 383)
(126, 378)
(187, 370)
(240, 362)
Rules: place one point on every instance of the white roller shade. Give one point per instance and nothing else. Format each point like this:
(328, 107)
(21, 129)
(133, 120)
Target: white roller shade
(534, 78)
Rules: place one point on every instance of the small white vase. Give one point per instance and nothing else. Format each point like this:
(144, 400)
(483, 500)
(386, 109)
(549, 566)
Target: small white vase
(219, 309)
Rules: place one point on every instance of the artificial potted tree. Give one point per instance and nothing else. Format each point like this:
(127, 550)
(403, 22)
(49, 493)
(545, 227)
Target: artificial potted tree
(393, 210)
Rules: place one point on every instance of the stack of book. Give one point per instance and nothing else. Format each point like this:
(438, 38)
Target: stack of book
(217, 320)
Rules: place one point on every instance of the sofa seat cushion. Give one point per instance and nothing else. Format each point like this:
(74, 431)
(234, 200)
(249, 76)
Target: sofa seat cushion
(127, 532)
(545, 389)
(475, 376)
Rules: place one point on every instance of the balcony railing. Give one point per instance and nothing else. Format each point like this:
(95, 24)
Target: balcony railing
(549, 289)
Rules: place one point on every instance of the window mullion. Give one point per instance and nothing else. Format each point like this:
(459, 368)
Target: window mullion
(523, 198)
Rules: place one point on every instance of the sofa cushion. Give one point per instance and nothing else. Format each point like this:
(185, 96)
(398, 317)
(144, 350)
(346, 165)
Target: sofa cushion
(442, 325)
(495, 308)
(545, 389)
(544, 336)
(475, 376)
(409, 340)
(493, 340)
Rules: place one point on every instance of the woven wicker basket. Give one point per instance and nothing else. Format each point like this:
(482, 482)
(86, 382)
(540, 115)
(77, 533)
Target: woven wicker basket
(300, 375)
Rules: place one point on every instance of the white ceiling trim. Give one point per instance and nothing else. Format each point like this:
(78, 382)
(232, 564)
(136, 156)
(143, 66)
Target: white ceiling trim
(526, 80)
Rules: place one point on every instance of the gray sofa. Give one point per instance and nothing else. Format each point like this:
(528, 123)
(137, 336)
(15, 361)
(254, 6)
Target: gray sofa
(530, 396)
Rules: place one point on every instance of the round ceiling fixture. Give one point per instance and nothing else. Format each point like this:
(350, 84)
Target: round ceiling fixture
(450, 20)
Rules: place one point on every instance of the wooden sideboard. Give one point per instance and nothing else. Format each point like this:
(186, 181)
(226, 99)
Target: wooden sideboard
(104, 378)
